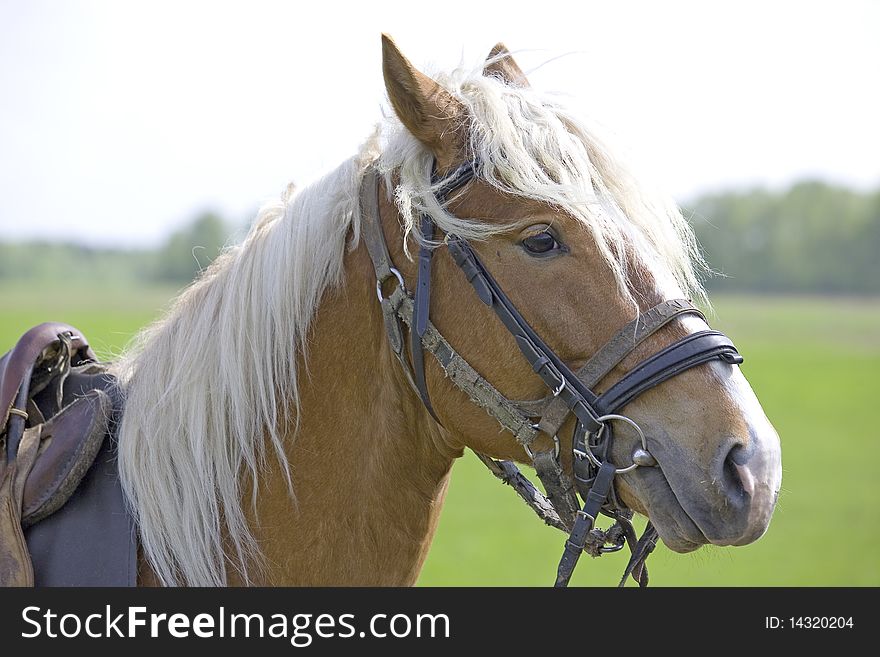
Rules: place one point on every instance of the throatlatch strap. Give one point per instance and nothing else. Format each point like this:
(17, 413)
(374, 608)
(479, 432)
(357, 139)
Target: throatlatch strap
(371, 226)
(374, 239)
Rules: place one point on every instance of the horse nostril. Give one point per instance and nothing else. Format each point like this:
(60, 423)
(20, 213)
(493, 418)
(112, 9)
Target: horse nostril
(737, 475)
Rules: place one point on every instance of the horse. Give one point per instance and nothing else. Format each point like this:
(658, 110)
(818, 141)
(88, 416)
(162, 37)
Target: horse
(283, 427)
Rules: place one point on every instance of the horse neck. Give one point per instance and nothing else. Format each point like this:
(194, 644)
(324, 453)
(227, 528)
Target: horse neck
(369, 466)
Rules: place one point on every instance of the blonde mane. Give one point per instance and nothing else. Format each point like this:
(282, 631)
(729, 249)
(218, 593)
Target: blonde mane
(210, 386)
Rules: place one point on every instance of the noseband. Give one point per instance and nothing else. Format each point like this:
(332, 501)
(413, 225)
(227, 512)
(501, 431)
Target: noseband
(570, 393)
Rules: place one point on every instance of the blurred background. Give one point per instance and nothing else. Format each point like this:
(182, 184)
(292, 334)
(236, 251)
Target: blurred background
(139, 138)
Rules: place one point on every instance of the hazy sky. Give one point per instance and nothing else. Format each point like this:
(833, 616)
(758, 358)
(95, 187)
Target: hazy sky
(120, 120)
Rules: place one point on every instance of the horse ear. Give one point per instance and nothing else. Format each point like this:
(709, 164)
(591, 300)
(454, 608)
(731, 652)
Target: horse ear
(432, 114)
(500, 64)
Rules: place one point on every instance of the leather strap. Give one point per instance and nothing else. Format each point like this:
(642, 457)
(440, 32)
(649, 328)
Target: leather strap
(16, 568)
(508, 473)
(640, 553)
(16, 366)
(467, 379)
(420, 314)
(399, 306)
(15, 425)
(584, 522)
(374, 240)
(544, 361)
(422, 306)
(558, 485)
(612, 353)
(692, 350)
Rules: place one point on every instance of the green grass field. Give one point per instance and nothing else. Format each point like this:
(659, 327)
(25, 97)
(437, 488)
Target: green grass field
(813, 363)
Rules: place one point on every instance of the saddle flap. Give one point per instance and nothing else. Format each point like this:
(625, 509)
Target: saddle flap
(70, 442)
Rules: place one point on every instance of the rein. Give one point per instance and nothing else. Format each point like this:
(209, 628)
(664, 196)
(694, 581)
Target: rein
(570, 393)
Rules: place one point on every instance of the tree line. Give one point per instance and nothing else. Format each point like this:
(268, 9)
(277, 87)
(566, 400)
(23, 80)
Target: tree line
(176, 262)
(813, 237)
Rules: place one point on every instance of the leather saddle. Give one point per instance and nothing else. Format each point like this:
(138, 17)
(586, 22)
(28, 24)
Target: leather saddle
(58, 405)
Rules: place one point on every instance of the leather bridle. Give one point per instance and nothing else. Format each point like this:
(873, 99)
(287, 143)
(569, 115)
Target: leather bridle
(570, 393)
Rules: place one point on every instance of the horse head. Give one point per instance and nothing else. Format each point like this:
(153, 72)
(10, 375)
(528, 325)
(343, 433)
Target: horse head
(580, 251)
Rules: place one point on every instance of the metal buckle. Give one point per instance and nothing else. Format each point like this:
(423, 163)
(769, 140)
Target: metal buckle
(555, 445)
(583, 514)
(546, 363)
(561, 387)
(380, 282)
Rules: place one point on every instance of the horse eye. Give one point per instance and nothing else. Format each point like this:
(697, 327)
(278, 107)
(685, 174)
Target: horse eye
(540, 243)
